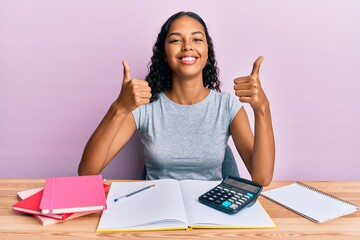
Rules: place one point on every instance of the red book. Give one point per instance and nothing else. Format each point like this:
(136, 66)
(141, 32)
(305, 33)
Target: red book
(31, 205)
(73, 194)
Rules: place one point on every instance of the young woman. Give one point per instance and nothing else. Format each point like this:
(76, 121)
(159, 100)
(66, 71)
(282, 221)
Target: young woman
(183, 118)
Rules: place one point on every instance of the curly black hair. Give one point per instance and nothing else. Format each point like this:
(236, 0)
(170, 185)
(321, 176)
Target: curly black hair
(159, 76)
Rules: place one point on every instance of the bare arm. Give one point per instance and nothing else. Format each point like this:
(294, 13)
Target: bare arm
(258, 150)
(110, 136)
(117, 126)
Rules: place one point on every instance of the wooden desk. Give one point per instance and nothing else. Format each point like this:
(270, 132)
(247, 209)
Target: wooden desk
(289, 225)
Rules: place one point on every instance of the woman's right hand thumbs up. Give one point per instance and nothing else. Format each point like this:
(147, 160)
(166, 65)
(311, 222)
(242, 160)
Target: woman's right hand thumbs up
(134, 92)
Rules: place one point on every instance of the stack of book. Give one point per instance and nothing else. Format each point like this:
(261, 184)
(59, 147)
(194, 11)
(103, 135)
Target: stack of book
(63, 198)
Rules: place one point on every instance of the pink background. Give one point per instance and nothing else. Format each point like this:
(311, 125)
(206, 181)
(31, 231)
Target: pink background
(60, 69)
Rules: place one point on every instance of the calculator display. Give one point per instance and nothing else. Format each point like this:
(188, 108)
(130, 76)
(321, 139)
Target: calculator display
(241, 185)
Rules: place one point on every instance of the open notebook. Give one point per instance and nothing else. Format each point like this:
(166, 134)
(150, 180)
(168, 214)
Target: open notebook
(171, 205)
(309, 202)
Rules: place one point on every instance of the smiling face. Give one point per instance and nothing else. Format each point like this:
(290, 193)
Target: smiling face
(186, 48)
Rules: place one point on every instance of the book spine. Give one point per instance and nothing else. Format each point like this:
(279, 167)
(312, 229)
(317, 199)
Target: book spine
(324, 194)
(46, 198)
(51, 201)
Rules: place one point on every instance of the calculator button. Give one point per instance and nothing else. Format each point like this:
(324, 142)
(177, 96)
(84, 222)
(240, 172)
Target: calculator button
(234, 206)
(240, 194)
(233, 198)
(226, 204)
(222, 199)
(218, 187)
(238, 203)
(217, 201)
(250, 195)
(225, 189)
(204, 196)
(244, 199)
(232, 191)
(210, 199)
(247, 196)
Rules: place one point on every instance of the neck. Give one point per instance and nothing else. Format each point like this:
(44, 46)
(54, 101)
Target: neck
(187, 92)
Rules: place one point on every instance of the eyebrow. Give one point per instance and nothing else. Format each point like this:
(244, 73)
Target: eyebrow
(179, 34)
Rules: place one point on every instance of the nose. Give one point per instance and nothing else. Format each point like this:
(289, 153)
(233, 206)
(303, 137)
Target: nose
(186, 47)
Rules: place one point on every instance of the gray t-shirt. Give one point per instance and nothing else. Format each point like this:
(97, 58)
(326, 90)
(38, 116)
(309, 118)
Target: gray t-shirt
(186, 141)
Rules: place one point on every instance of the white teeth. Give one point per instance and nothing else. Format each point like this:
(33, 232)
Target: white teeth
(188, 58)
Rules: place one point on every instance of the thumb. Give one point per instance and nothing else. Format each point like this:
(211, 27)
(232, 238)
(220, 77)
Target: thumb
(126, 76)
(256, 66)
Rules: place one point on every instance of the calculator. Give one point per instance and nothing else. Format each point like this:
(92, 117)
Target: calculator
(232, 195)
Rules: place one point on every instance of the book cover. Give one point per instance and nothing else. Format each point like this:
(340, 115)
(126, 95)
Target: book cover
(73, 194)
(27, 193)
(309, 202)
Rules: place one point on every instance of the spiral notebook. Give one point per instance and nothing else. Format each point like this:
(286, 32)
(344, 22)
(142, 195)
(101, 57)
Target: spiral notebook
(309, 202)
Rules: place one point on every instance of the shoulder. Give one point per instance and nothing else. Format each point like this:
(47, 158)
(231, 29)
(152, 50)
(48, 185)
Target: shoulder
(228, 102)
(224, 97)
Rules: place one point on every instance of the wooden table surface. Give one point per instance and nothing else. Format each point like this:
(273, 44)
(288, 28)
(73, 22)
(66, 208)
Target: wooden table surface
(289, 225)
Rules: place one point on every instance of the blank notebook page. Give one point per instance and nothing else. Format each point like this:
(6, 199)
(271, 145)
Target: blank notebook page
(309, 202)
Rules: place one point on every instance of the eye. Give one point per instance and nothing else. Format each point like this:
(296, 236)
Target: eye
(198, 40)
(174, 41)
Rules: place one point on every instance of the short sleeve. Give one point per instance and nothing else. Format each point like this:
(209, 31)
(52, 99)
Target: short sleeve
(234, 106)
(137, 117)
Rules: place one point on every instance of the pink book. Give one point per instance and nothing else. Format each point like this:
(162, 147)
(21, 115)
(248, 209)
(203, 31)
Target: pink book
(73, 194)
